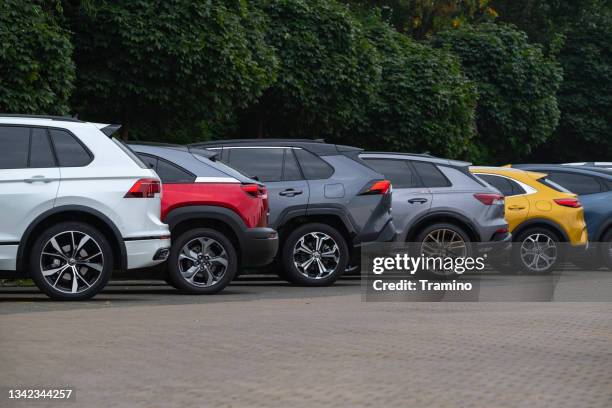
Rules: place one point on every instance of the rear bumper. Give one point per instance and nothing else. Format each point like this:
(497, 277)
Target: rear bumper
(143, 253)
(499, 245)
(259, 246)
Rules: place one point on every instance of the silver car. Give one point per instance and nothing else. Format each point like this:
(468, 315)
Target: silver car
(439, 203)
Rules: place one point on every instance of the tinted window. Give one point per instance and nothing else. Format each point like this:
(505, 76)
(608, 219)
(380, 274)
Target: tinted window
(500, 183)
(14, 142)
(70, 153)
(553, 185)
(291, 171)
(576, 183)
(399, 172)
(313, 167)
(169, 173)
(265, 164)
(430, 175)
(41, 154)
(607, 183)
(516, 188)
(149, 161)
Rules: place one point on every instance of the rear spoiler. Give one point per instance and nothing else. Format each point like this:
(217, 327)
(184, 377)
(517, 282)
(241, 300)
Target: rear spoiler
(109, 130)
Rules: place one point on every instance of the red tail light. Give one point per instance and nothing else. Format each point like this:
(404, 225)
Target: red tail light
(378, 187)
(568, 202)
(255, 190)
(144, 188)
(489, 198)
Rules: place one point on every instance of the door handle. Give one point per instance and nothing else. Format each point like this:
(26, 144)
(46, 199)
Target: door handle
(516, 207)
(38, 179)
(417, 201)
(290, 192)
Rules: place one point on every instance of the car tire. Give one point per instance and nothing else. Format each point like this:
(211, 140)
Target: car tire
(605, 249)
(202, 261)
(326, 262)
(442, 231)
(71, 261)
(522, 256)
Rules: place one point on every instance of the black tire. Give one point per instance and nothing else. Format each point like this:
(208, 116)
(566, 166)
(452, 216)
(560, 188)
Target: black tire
(522, 265)
(424, 233)
(335, 264)
(221, 243)
(605, 249)
(90, 278)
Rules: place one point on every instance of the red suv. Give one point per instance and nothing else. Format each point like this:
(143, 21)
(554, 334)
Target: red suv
(217, 216)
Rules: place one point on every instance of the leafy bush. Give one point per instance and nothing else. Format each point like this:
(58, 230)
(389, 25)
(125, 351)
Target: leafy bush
(36, 68)
(327, 71)
(585, 130)
(156, 65)
(517, 86)
(424, 101)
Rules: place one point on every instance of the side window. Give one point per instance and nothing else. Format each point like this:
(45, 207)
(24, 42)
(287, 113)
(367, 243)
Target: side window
(149, 161)
(607, 183)
(430, 175)
(70, 152)
(14, 142)
(576, 183)
(399, 172)
(169, 173)
(516, 188)
(314, 168)
(502, 184)
(265, 164)
(41, 153)
(291, 170)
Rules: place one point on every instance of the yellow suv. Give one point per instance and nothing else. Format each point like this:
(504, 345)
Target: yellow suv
(540, 214)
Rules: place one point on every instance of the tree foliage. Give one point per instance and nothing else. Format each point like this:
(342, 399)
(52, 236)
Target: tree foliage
(424, 101)
(517, 86)
(156, 65)
(421, 18)
(36, 67)
(585, 98)
(327, 72)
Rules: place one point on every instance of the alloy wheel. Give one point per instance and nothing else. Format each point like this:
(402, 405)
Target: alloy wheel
(538, 252)
(71, 262)
(203, 262)
(443, 243)
(316, 255)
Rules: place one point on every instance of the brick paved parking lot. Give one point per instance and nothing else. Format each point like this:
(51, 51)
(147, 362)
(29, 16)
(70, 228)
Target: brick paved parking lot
(265, 343)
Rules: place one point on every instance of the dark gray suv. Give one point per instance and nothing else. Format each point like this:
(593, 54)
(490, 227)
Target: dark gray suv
(439, 204)
(324, 201)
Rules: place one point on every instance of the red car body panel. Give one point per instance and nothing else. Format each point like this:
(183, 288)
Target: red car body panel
(252, 208)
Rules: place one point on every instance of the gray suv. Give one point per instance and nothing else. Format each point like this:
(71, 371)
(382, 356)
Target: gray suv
(324, 201)
(440, 205)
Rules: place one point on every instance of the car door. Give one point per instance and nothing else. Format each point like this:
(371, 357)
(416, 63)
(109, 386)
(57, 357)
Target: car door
(29, 179)
(411, 199)
(517, 205)
(288, 192)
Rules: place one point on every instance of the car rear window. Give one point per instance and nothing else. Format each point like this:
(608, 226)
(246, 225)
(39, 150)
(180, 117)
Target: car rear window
(553, 185)
(313, 167)
(431, 175)
(399, 172)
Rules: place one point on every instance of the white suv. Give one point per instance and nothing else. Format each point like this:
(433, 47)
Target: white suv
(74, 205)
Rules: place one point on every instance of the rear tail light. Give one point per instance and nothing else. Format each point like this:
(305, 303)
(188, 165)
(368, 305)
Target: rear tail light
(568, 202)
(377, 187)
(255, 190)
(489, 198)
(144, 188)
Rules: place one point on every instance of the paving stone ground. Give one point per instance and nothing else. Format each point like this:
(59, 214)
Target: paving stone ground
(267, 344)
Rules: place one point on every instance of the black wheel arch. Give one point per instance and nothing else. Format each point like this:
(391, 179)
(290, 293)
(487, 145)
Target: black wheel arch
(77, 213)
(603, 230)
(541, 223)
(442, 216)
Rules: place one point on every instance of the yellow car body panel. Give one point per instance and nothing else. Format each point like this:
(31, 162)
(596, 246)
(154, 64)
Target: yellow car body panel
(538, 203)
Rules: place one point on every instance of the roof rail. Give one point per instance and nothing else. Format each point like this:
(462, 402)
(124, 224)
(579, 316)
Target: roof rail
(50, 117)
(257, 140)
